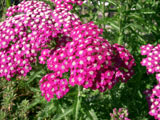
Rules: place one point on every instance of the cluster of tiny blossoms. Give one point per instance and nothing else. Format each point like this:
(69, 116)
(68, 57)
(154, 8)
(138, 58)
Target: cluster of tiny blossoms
(26, 7)
(152, 63)
(60, 18)
(45, 54)
(153, 98)
(120, 114)
(65, 21)
(90, 60)
(54, 86)
(29, 28)
(67, 3)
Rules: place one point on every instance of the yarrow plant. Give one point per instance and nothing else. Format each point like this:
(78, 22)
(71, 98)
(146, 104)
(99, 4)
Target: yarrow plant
(120, 114)
(90, 60)
(48, 54)
(66, 46)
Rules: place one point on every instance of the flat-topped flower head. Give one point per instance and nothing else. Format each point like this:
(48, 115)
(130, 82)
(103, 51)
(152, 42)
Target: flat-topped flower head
(67, 45)
(154, 102)
(91, 61)
(65, 21)
(27, 7)
(27, 31)
(152, 61)
(86, 30)
(120, 114)
(51, 85)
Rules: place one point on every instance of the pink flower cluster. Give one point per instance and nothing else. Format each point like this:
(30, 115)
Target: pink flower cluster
(152, 61)
(67, 3)
(26, 7)
(54, 86)
(120, 114)
(65, 44)
(60, 18)
(45, 54)
(90, 60)
(65, 21)
(153, 98)
(30, 28)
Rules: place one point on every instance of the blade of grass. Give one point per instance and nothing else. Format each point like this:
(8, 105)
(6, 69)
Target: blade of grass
(8, 3)
(65, 113)
(77, 104)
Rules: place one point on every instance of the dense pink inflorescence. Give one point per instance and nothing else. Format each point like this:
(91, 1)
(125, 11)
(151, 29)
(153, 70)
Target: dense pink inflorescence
(123, 63)
(65, 21)
(152, 61)
(153, 98)
(68, 4)
(31, 27)
(51, 85)
(22, 36)
(120, 114)
(28, 7)
(45, 54)
(91, 61)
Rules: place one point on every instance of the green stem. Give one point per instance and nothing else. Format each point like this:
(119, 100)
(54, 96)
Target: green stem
(89, 4)
(103, 7)
(8, 3)
(120, 25)
(78, 102)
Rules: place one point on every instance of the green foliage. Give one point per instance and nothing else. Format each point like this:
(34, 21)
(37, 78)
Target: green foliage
(131, 23)
(2, 7)
(8, 3)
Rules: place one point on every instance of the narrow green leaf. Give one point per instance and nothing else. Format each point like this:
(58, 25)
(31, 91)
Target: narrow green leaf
(140, 94)
(114, 25)
(66, 112)
(62, 110)
(93, 114)
(37, 101)
(35, 89)
(112, 2)
(135, 16)
(149, 12)
(2, 115)
(36, 74)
